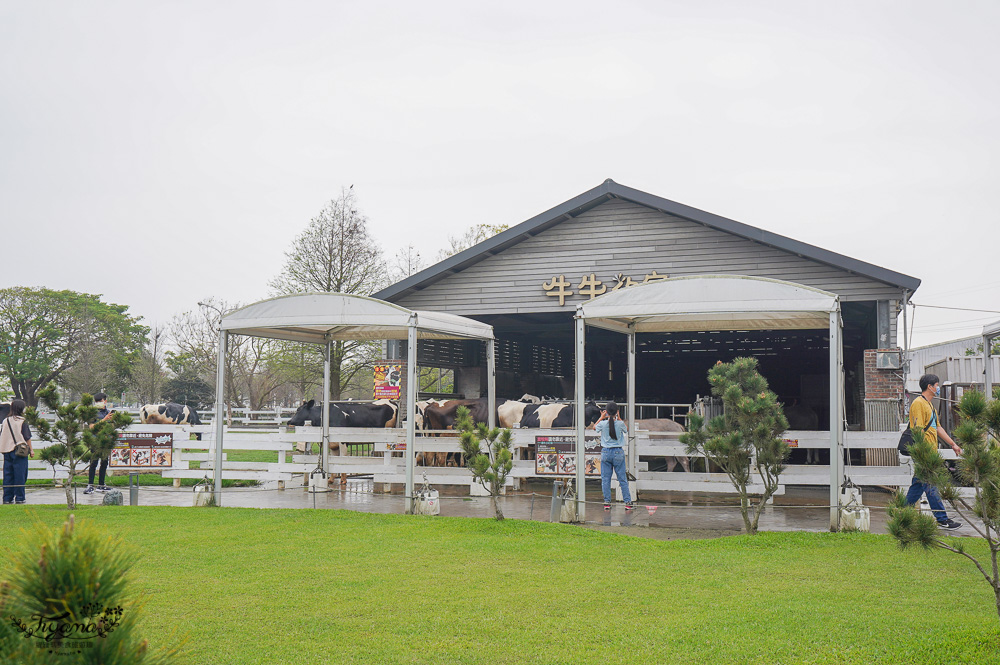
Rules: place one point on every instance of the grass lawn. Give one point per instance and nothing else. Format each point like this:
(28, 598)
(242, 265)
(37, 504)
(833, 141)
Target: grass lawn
(301, 586)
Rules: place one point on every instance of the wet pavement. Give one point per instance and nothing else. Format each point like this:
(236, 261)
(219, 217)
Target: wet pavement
(662, 515)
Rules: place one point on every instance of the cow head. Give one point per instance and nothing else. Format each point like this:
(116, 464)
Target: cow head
(591, 412)
(192, 416)
(307, 411)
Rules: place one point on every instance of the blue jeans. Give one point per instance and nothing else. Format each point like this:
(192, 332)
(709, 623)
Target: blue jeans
(15, 472)
(937, 507)
(614, 458)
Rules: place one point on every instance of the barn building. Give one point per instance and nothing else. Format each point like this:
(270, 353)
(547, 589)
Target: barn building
(527, 282)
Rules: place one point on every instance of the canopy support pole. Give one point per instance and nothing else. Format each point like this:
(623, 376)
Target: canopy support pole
(581, 486)
(836, 420)
(325, 454)
(220, 412)
(906, 356)
(411, 407)
(491, 383)
(633, 449)
(988, 365)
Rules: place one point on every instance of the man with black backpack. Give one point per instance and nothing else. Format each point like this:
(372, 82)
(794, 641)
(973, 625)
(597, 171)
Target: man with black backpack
(104, 412)
(924, 417)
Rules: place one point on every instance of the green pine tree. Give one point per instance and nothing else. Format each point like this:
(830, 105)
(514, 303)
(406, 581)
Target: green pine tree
(76, 437)
(746, 438)
(66, 601)
(487, 454)
(977, 434)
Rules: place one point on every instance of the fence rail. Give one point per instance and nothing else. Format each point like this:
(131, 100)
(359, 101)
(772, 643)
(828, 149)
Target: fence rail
(379, 453)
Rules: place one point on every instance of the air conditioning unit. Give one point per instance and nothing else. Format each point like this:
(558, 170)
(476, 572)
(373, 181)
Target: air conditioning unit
(888, 360)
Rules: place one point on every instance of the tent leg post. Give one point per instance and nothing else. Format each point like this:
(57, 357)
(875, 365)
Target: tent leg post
(325, 453)
(836, 455)
(491, 383)
(988, 366)
(581, 480)
(220, 411)
(633, 449)
(411, 406)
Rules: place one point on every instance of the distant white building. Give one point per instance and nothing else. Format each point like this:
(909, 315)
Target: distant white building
(923, 356)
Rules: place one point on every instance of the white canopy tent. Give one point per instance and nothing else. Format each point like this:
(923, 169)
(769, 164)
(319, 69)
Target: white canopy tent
(323, 318)
(991, 332)
(710, 303)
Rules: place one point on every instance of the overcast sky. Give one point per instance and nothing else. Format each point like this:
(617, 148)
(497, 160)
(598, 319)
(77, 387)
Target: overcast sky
(160, 153)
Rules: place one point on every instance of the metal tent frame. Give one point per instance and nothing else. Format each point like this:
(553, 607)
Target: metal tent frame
(323, 318)
(712, 303)
(990, 333)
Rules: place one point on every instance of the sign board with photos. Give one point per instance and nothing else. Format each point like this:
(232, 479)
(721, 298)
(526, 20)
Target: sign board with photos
(144, 450)
(388, 379)
(556, 456)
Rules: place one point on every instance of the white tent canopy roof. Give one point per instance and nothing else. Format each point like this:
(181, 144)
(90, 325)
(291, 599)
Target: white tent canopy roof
(322, 317)
(712, 302)
(992, 329)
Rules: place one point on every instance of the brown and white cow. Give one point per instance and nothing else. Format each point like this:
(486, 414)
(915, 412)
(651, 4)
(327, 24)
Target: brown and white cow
(442, 416)
(665, 425)
(422, 458)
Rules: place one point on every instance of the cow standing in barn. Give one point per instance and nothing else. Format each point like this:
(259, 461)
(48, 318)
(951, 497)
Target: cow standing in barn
(803, 417)
(379, 414)
(422, 458)
(442, 416)
(557, 414)
(665, 425)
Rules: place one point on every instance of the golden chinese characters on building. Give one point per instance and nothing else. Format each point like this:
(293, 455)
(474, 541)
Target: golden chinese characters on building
(591, 287)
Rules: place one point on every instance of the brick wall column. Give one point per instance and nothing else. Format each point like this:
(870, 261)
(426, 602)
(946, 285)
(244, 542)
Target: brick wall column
(882, 383)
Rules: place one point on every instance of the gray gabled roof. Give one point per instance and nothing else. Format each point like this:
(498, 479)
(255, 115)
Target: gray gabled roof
(610, 189)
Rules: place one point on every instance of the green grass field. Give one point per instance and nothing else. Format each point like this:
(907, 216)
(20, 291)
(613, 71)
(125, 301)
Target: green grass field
(301, 586)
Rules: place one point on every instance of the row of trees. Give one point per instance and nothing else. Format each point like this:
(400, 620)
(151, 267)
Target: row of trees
(83, 344)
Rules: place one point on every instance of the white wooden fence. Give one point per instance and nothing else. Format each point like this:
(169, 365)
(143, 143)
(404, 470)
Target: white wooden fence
(379, 453)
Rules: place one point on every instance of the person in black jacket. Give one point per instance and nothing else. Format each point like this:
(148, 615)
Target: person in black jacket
(103, 413)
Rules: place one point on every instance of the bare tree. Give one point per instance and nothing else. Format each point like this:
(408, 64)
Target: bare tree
(473, 235)
(195, 334)
(149, 373)
(336, 253)
(406, 262)
(256, 368)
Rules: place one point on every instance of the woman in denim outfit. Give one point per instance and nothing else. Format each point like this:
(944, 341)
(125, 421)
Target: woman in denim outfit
(14, 430)
(612, 453)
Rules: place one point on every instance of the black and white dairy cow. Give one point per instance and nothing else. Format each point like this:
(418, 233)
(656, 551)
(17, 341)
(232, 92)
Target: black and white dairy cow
(381, 413)
(545, 415)
(169, 413)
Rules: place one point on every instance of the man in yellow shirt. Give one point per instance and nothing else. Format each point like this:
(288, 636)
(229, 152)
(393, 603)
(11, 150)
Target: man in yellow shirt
(923, 417)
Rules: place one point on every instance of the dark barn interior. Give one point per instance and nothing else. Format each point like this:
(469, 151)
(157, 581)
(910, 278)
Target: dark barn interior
(535, 356)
